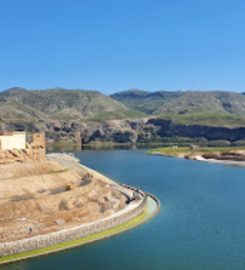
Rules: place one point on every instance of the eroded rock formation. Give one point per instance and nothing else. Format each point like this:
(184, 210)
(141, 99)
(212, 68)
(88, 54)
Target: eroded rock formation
(128, 131)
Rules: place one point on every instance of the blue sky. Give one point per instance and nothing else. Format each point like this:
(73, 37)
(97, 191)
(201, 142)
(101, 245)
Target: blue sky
(114, 45)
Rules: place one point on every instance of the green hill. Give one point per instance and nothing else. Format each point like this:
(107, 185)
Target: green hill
(214, 108)
(143, 101)
(189, 107)
(60, 104)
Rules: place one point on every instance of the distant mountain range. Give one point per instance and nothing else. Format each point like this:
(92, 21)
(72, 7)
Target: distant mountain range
(147, 102)
(18, 104)
(123, 116)
(188, 107)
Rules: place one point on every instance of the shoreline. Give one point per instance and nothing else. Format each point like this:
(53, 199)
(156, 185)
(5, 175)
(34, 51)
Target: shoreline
(202, 159)
(140, 217)
(131, 224)
(218, 161)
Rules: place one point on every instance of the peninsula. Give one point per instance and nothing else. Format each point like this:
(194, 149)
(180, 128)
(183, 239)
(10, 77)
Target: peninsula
(225, 155)
(51, 202)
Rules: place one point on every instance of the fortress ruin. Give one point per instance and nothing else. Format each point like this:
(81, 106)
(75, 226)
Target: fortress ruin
(14, 147)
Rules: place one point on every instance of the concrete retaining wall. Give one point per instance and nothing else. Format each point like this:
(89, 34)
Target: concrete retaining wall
(36, 242)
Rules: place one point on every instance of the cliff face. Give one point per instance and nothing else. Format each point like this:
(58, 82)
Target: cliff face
(167, 128)
(128, 131)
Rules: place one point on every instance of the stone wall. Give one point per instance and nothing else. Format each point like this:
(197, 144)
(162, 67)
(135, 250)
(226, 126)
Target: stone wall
(40, 241)
(37, 148)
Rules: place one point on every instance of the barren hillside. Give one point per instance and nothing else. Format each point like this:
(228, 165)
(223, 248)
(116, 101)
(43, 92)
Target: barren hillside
(41, 197)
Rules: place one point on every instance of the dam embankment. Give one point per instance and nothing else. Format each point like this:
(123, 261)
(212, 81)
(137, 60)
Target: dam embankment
(136, 214)
(41, 241)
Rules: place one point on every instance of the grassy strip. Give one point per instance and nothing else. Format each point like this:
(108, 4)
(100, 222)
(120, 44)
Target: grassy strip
(213, 118)
(170, 151)
(88, 239)
(176, 151)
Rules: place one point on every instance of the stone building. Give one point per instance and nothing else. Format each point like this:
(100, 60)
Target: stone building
(12, 140)
(15, 148)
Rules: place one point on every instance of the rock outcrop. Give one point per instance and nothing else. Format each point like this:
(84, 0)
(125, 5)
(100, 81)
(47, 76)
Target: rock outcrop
(166, 128)
(127, 131)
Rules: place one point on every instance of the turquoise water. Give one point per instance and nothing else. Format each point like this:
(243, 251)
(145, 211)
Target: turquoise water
(201, 224)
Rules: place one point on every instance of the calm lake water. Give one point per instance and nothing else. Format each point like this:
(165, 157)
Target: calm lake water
(201, 224)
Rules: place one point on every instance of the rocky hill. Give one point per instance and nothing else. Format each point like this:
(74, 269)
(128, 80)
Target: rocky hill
(188, 107)
(18, 104)
(181, 102)
(79, 116)
(147, 102)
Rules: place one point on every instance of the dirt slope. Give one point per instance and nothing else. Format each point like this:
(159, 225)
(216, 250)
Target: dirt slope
(41, 197)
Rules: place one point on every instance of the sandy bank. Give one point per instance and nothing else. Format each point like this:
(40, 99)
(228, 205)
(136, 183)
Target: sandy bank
(202, 159)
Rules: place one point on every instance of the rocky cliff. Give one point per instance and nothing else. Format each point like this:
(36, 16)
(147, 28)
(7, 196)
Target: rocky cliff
(128, 131)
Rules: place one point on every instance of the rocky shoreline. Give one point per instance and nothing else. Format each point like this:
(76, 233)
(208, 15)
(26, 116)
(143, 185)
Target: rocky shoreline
(232, 157)
(220, 161)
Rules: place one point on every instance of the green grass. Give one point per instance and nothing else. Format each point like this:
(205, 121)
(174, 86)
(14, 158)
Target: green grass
(88, 239)
(119, 114)
(170, 151)
(218, 119)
